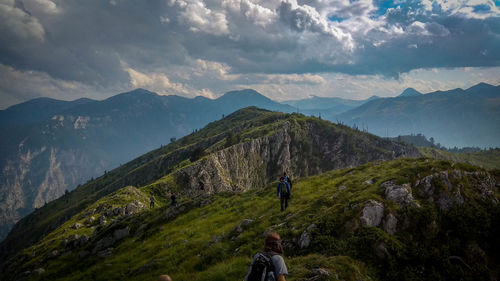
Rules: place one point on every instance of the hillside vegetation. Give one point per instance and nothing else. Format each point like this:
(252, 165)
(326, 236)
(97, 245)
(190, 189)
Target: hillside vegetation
(405, 219)
(488, 159)
(247, 149)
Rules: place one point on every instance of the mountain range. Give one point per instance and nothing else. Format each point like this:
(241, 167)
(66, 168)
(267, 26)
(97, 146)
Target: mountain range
(456, 117)
(49, 147)
(362, 208)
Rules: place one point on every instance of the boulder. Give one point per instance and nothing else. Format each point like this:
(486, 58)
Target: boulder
(372, 213)
(53, 254)
(370, 182)
(90, 220)
(131, 209)
(304, 240)
(390, 223)
(320, 272)
(39, 271)
(399, 194)
(243, 224)
(76, 225)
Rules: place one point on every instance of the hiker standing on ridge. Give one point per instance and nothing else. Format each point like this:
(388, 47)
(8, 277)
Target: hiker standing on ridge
(283, 191)
(151, 202)
(174, 200)
(268, 265)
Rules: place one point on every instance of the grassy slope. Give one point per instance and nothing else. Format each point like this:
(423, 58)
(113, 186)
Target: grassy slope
(489, 159)
(202, 243)
(137, 172)
(244, 124)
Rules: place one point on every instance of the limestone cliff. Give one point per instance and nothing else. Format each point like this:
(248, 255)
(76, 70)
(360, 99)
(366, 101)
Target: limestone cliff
(300, 149)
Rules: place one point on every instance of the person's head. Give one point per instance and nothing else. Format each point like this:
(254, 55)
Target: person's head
(273, 243)
(164, 277)
(284, 174)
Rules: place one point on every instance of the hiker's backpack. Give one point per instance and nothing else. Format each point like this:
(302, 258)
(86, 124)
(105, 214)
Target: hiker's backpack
(283, 190)
(261, 268)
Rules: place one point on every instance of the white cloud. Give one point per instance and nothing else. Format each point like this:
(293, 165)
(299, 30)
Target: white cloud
(307, 78)
(307, 18)
(199, 18)
(156, 82)
(16, 22)
(428, 29)
(38, 7)
(254, 13)
(214, 69)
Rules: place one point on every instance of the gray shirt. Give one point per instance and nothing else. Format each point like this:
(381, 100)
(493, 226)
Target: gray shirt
(279, 266)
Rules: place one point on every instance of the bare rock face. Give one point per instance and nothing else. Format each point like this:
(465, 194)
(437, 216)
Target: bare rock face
(258, 161)
(304, 240)
(445, 188)
(372, 213)
(390, 223)
(399, 194)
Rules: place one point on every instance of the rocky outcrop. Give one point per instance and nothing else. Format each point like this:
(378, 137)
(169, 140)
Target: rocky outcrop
(31, 177)
(447, 188)
(259, 161)
(372, 213)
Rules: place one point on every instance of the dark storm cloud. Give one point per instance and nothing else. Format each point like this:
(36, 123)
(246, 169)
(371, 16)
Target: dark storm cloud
(118, 44)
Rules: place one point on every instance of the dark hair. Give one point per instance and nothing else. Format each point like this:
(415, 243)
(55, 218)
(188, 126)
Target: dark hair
(273, 243)
(284, 173)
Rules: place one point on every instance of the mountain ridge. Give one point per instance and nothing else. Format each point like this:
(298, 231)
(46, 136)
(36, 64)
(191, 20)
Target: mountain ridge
(245, 149)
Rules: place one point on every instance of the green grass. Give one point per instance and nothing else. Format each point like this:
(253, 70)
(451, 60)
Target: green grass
(201, 243)
(488, 159)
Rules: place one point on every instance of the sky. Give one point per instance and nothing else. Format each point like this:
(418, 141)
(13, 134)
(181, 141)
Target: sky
(285, 49)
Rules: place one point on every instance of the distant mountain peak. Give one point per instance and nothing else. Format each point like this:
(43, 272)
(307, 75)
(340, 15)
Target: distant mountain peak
(246, 93)
(410, 92)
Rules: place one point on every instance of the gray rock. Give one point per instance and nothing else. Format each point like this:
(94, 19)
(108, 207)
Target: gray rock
(372, 213)
(102, 220)
(54, 254)
(74, 237)
(121, 233)
(215, 239)
(399, 194)
(76, 225)
(39, 271)
(380, 250)
(390, 223)
(320, 272)
(370, 182)
(342, 187)
(118, 211)
(304, 240)
(241, 227)
(90, 220)
(131, 209)
(311, 227)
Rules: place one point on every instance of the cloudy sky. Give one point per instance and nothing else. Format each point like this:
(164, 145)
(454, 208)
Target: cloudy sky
(286, 49)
